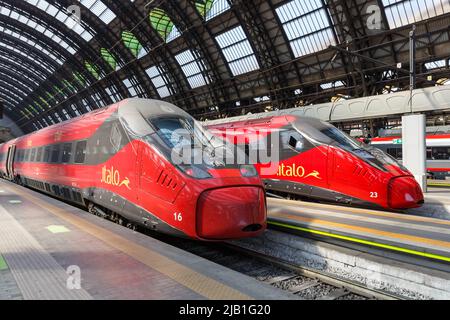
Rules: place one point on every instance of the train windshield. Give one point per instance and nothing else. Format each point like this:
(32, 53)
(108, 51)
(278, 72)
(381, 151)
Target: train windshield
(325, 133)
(341, 139)
(190, 143)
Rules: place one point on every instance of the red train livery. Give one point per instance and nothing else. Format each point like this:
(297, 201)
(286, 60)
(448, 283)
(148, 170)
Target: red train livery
(117, 162)
(316, 160)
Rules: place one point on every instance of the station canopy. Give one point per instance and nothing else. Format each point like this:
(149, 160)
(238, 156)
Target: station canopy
(214, 58)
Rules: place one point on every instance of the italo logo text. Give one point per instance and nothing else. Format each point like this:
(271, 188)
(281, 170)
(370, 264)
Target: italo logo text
(112, 177)
(296, 171)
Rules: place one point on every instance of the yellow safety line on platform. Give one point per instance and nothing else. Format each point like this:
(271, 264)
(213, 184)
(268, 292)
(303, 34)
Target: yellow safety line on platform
(365, 230)
(203, 285)
(366, 242)
(387, 214)
(438, 184)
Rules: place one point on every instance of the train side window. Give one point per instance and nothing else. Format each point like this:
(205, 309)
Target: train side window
(47, 154)
(441, 153)
(39, 154)
(33, 155)
(27, 155)
(293, 140)
(67, 153)
(80, 152)
(429, 154)
(56, 150)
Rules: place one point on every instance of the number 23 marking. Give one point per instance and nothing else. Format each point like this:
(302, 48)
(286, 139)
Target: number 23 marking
(374, 195)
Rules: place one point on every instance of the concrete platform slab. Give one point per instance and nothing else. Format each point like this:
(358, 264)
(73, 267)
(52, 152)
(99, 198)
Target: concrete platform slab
(420, 236)
(106, 260)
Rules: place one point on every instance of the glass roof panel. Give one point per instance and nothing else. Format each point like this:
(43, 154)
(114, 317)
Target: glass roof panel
(162, 23)
(237, 51)
(159, 81)
(405, 12)
(33, 24)
(109, 58)
(307, 26)
(130, 87)
(132, 43)
(192, 68)
(84, 31)
(31, 43)
(92, 69)
(98, 8)
(210, 9)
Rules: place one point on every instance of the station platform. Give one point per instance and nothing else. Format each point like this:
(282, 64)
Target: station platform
(50, 250)
(419, 236)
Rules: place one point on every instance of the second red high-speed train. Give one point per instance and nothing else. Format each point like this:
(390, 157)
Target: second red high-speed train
(316, 160)
(118, 161)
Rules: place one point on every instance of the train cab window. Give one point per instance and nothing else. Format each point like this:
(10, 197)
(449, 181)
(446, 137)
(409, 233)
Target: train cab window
(67, 153)
(39, 154)
(56, 150)
(47, 154)
(116, 137)
(80, 152)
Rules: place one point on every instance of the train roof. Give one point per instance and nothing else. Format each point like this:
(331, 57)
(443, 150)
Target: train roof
(135, 112)
(271, 121)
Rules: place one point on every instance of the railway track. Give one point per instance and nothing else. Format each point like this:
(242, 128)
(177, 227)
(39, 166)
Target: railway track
(302, 283)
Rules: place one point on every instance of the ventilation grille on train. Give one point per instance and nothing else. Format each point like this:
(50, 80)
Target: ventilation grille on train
(364, 173)
(167, 180)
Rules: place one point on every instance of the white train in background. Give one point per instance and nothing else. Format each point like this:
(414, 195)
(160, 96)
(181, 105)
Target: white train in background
(438, 150)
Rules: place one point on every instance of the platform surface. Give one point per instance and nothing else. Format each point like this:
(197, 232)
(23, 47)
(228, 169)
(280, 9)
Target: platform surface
(48, 247)
(411, 234)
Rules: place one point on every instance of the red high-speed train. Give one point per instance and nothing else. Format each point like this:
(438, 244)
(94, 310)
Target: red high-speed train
(118, 162)
(316, 160)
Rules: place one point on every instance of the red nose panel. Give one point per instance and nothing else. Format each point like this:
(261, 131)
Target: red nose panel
(405, 193)
(231, 213)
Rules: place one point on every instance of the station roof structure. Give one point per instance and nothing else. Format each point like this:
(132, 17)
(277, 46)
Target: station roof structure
(213, 58)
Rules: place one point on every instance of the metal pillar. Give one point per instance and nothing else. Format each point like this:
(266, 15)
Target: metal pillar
(412, 65)
(414, 147)
(414, 128)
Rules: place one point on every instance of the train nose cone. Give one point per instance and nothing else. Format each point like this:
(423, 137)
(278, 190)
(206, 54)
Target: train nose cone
(405, 193)
(231, 213)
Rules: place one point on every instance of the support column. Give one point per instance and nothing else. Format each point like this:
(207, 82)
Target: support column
(414, 147)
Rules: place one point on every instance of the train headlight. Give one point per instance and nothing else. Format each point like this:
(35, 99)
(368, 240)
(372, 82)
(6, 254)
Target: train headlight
(196, 172)
(248, 171)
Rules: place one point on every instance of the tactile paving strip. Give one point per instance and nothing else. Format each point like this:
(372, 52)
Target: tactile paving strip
(36, 272)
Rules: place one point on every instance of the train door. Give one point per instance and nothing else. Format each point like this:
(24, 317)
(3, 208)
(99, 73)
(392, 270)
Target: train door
(341, 170)
(10, 162)
(157, 178)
